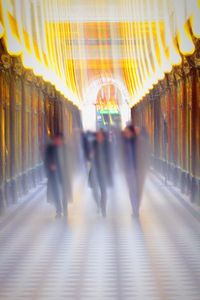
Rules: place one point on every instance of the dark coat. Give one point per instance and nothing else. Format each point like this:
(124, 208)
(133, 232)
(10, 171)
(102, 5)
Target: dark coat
(58, 156)
(101, 164)
(129, 152)
(51, 158)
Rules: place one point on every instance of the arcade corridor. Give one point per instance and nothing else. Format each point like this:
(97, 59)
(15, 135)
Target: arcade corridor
(100, 149)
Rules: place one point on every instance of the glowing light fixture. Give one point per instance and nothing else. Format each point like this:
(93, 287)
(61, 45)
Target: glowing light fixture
(184, 37)
(11, 28)
(153, 34)
(1, 30)
(195, 18)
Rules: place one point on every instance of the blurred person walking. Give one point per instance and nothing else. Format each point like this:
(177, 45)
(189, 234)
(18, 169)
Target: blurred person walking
(87, 139)
(100, 172)
(54, 163)
(130, 164)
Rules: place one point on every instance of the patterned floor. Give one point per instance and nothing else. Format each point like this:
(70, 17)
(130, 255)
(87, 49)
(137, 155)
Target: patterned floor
(88, 257)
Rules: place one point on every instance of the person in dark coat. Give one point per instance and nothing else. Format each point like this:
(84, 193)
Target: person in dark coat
(130, 164)
(100, 174)
(54, 174)
(86, 145)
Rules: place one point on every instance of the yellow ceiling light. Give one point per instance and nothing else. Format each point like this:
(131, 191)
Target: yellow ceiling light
(161, 54)
(186, 45)
(11, 36)
(144, 42)
(1, 30)
(174, 55)
(195, 18)
(140, 56)
(28, 58)
(159, 74)
(149, 64)
(185, 42)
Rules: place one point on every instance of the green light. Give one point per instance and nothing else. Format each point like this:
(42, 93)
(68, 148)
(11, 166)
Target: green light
(108, 112)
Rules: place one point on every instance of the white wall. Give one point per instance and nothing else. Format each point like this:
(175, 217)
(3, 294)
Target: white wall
(88, 114)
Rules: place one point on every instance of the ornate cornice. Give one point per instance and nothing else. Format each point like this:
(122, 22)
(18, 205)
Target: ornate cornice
(171, 79)
(28, 76)
(5, 61)
(186, 67)
(17, 67)
(178, 73)
(161, 87)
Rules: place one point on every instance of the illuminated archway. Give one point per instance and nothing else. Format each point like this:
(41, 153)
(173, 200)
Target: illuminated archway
(96, 85)
(89, 109)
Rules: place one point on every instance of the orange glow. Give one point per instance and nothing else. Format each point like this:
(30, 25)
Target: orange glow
(138, 49)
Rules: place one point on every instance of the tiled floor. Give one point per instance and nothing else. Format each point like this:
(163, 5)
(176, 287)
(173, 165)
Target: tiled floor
(89, 257)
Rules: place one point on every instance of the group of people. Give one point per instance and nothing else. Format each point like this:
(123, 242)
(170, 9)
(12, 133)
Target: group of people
(104, 154)
(131, 150)
(97, 152)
